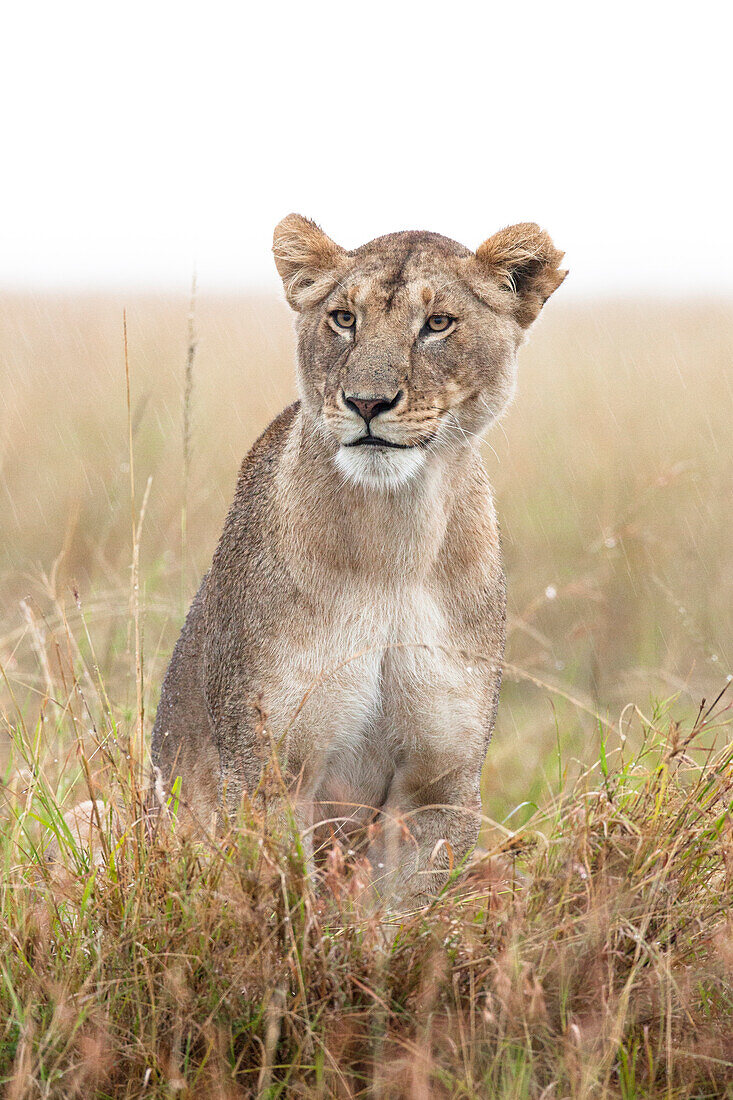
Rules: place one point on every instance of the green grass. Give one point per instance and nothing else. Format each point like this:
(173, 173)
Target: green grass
(587, 953)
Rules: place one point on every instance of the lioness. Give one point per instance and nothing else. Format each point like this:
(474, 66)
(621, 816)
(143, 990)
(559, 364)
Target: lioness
(356, 596)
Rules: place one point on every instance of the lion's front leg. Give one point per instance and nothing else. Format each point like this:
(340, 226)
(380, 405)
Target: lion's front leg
(439, 708)
(428, 826)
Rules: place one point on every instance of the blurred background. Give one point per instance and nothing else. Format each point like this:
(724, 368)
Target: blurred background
(147, 143)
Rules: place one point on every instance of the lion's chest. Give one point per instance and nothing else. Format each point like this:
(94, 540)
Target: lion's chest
(347, 690)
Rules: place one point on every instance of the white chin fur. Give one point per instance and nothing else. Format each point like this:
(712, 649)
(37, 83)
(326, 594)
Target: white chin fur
(379, 467)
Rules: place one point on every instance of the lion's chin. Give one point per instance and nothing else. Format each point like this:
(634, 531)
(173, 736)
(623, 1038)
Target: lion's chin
(383, 468)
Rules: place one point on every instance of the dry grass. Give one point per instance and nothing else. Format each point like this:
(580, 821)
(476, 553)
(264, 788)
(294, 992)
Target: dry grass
(589, 953)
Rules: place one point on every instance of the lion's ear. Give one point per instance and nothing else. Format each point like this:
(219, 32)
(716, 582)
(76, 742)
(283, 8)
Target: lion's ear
(307, 260)
(522, 260)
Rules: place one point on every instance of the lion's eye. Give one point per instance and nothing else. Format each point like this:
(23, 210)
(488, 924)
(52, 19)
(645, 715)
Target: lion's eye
(439, 322)
(344, 318)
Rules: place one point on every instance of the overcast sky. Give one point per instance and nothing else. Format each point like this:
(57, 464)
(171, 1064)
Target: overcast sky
(141, 138)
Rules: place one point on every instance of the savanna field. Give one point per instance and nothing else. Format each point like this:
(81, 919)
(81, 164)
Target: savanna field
(588, 949)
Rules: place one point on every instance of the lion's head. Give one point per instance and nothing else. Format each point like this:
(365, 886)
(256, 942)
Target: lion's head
(407, 346)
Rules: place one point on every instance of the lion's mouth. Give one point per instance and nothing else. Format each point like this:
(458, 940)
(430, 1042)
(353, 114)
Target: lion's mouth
(377, 441)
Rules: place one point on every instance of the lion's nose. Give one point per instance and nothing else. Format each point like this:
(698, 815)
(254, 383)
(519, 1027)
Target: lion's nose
(369, 407)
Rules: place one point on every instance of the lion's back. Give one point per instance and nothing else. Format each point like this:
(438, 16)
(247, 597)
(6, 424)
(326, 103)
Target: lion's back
(182, 741)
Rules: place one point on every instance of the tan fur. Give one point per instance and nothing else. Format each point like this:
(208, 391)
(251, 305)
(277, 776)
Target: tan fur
(365, 579)
(83, 823)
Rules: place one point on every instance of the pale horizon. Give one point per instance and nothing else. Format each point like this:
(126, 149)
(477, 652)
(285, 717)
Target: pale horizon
(144, 144)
